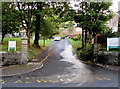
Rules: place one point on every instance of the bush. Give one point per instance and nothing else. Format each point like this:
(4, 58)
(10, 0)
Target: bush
(75, 38)
(87, 55)
(102, 58)
(102, 39)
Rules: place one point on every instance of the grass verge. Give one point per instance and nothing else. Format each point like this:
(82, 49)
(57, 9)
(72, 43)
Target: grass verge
(33, 51)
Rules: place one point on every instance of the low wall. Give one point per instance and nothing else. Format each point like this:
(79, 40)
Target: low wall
(110, 58)
(11, 58)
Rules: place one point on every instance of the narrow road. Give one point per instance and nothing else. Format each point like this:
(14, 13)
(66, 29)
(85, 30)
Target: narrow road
(63, 69)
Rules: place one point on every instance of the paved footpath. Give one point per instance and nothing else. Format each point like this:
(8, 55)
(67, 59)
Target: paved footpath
(20, 69)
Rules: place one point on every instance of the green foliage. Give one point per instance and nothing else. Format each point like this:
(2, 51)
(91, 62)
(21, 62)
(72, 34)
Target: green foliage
(4, 46)
(87, 55)
(75, 38)
(9, 18)
(49, 26)
(103, 37)
(93, 16)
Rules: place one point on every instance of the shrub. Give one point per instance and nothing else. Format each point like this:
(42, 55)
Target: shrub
(87, 55)
(103, 37)
(102, 58)
(75, 38)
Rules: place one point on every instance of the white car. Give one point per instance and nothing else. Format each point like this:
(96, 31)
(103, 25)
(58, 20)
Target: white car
(57, 38)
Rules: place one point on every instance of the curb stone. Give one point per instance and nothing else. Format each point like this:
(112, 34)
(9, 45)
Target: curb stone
(41, 63)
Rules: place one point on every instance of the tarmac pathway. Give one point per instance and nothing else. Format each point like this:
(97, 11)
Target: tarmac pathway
(63, 69)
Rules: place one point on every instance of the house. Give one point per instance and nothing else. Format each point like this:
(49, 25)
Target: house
(113, 23)
(119, 21)
(73, 32)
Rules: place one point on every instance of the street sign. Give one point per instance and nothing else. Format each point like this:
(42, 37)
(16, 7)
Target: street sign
(113, 43)
(11, 45)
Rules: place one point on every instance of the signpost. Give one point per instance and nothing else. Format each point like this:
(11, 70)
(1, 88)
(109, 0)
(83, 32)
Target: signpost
(113, 43)
(11, 45)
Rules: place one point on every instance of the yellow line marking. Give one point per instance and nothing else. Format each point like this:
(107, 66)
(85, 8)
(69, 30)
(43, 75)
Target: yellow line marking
(98, 79)
(44, 81)
(3, 82)
(19, 81)
(106, 78)
(28, 82)
(61, 80)
(50, 81)
(27, 78)
(38, 81)
(69, 79)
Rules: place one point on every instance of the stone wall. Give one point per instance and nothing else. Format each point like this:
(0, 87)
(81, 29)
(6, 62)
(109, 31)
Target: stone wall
(11, 58)
(110, 58)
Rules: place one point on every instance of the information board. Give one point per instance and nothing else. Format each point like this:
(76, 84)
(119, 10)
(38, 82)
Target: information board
(11, 45)
(113, 43)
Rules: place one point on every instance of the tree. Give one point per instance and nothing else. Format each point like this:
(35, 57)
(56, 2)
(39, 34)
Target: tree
(92, 17)
(25, 11)
(59, 11)
(49, 27)
(10, 22)
(38, 22)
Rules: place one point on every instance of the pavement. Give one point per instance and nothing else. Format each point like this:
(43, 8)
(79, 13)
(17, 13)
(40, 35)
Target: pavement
(20, 69)
(12, 70)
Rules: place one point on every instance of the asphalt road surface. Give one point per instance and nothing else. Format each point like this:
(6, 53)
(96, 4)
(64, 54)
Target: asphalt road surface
(63, 69)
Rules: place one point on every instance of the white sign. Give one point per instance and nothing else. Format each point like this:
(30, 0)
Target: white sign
(11, 45)
(113, 43)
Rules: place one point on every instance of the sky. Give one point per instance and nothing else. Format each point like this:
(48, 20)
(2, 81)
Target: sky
(114, 7)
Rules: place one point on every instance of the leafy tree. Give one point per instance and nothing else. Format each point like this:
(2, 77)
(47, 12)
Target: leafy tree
(10, 22)
(26, 17)
(49, 27)
(92, 17)
(52, 13)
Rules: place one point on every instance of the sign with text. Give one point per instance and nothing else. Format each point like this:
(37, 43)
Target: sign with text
(11, 45)
(113, 43)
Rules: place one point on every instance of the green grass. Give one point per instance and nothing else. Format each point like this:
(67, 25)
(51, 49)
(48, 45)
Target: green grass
(33, 51)
(113, 50)
(41, 43)
(77, 44)
(4, 46)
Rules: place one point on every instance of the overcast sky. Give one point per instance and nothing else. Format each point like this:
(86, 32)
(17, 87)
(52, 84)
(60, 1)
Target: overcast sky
(114, 7)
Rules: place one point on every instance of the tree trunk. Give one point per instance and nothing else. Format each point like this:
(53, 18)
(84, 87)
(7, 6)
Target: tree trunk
(3, 36)
(28, 35)
(39, 8)
(36, 41)
(44, 42)
(92, 44)
(83, 39)
(93, 41)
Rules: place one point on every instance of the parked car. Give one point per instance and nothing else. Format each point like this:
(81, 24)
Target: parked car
(57, 38)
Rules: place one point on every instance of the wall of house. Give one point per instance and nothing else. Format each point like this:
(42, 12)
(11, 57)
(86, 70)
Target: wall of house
(113, 23)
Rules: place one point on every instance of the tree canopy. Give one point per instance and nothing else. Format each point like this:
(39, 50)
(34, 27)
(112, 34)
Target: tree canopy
(92, 17)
